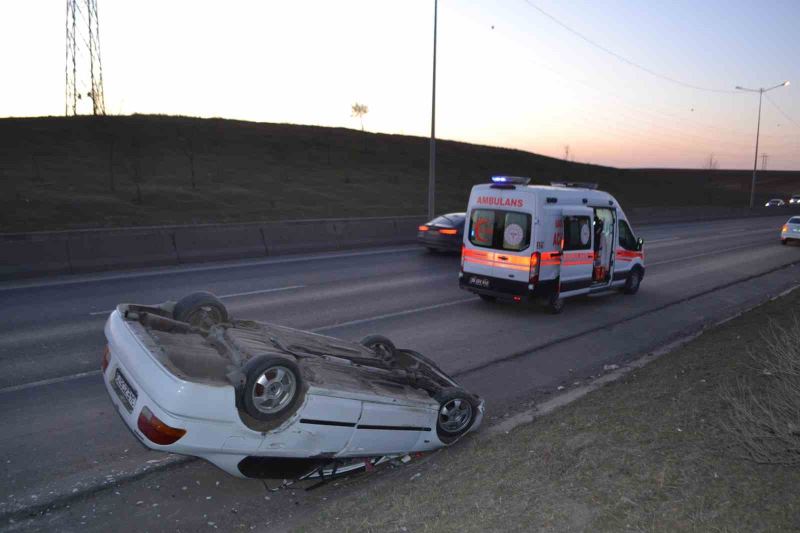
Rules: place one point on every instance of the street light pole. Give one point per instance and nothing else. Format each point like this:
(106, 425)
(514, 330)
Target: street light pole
(760, 92)
(432, 163)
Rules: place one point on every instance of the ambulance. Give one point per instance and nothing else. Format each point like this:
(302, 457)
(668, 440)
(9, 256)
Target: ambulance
(536, 243)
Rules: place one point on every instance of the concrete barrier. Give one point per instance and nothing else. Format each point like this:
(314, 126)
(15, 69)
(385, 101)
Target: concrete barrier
(215, 243)
(665, 215)
(290, 237)
(91, 251)
(23, 256)
(46, 253)
(368, 232)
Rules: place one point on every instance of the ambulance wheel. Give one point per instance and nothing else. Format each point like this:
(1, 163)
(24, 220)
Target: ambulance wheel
(200, 309)
(784, 241)
(554, 304)
(273, 387)
(633, 281)
(457, 412)
(487, 298)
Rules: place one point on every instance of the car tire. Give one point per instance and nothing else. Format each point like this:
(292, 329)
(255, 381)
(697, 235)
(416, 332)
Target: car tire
(784, 241)
(554, 304)
(457, 412)
(380, 346)
(487, 298)
(633, 281)
(273, 387)
(200, 309)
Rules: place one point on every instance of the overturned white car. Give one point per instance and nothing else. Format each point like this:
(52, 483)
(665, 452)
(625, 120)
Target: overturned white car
(266, 401)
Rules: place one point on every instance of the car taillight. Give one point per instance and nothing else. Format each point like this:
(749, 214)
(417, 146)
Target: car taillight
(156, 430)
(533, 276)
(106, 359)
(448, 231)
(424, 228)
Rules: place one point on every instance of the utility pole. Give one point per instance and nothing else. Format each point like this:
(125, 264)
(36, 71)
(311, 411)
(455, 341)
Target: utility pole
(760, 92)
(83, 71)
(432, 163)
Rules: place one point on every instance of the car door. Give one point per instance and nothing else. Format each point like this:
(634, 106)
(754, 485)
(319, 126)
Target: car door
(577, 253)
(627, 251)
(390, 428)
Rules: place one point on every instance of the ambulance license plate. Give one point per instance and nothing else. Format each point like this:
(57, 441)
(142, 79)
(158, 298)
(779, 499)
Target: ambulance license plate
(124, 390)
(477, 281)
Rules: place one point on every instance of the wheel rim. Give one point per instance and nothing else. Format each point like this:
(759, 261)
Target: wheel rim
(381, 350)
(455, 415)
(635, 280)
(205, 314)
(274, 389)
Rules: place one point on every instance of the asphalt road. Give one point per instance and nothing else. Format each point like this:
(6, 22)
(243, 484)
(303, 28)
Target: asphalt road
(62, 437)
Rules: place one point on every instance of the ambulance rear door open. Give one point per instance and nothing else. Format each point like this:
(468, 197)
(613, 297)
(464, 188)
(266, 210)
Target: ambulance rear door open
(577, 259)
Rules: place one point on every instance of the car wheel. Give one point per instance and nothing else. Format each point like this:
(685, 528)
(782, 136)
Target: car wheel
(381, 346)
(273, 387)
(487, 298)
(784, 241)
(554, 304)
(200, 309)
(457, 413)
(633, 282)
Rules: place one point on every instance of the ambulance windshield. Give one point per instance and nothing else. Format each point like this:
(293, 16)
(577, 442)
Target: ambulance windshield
(502, 230)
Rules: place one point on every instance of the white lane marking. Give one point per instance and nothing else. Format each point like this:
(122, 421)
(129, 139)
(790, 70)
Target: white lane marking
(179, 269)
(392, 315)
(651, 241)
(232, 295)
(685, 258)
(700, 238)
(262, 291)
(49, 381)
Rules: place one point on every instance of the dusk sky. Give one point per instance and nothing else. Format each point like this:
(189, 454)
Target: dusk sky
(508, 75)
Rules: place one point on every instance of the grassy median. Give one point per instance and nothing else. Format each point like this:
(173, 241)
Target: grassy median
(650, 452)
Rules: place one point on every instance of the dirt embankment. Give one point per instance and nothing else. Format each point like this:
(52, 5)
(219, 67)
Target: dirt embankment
(79, 172)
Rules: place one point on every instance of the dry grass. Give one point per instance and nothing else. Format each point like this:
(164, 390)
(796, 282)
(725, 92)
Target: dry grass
(58, 173)
(646, 453)
(764, 417)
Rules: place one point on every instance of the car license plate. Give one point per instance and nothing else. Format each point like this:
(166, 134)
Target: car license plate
(124, 390)
(479, 282)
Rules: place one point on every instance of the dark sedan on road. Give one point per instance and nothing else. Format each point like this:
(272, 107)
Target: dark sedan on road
(444, 233)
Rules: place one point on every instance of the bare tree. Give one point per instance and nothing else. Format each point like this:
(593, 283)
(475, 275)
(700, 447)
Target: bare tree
(711, 163)
(358, 111)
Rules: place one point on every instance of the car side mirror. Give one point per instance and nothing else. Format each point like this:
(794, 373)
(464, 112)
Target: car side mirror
(639, 244)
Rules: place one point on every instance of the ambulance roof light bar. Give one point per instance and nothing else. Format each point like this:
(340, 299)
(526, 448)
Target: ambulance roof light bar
(574, 184)
(511, 180)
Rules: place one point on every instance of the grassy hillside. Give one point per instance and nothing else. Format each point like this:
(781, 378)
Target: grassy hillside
(58, 173)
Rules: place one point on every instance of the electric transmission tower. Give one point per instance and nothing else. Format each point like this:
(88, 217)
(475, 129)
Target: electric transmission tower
(84, 72)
